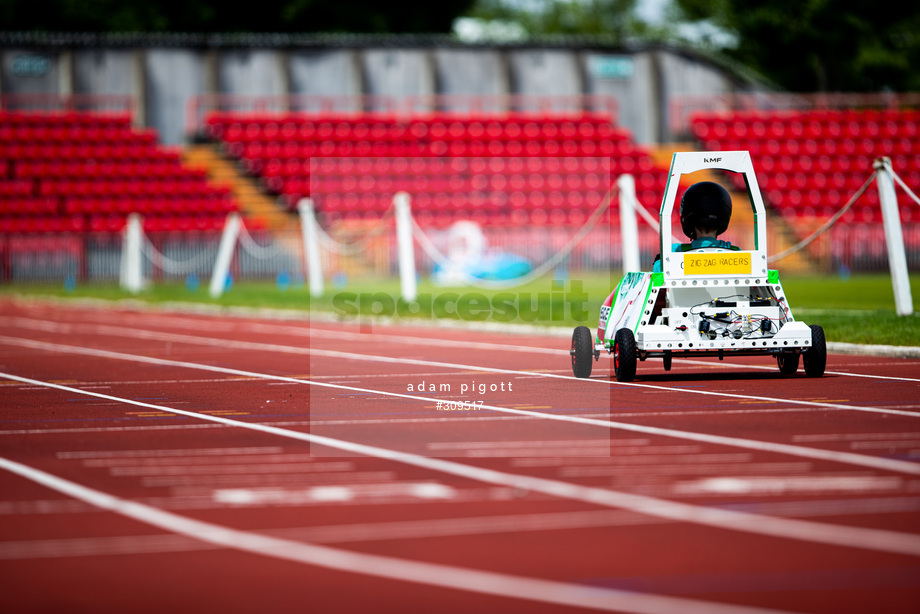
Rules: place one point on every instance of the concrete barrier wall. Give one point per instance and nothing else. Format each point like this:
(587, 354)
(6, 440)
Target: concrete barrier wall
(470, 71)
(397, 73)
(325, 73)
(252, 71)
(164, 80)
(173, 78)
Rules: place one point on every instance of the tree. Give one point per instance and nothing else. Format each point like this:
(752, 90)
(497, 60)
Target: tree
(209, 16)
(613, 18)
(821, 45)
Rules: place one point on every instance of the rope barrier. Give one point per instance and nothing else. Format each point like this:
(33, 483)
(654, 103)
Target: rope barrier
(358, 246)
(826, 226)
(904, 187)
(170, 265)
(552, 263)
(259, 252)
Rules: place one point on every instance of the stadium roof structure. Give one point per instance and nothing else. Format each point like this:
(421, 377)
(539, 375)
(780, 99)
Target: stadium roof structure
(339, 40)
(309, 39)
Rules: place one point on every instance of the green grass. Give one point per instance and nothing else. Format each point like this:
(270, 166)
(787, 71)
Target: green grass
(859, 309)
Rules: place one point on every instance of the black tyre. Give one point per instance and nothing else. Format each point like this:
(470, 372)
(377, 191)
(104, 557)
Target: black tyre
(625, 355)
(582, 352)
(788, 362)
(815, 357)
(667, 360)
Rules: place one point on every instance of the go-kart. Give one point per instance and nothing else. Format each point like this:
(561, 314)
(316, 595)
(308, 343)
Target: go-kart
(704, 302)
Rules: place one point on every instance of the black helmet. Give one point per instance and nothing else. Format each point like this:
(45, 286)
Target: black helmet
(705, 205)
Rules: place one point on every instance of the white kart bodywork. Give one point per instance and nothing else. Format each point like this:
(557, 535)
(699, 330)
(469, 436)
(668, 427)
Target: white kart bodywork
(710, 301)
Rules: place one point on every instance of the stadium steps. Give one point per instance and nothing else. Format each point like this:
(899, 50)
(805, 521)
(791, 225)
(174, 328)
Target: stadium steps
(780, 236)
(255, 205)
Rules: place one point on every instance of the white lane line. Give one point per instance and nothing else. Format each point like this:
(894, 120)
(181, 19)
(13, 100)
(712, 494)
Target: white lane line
(136, 333)
(444, 576)
(710, 363)
(874, 462)
(186, 460)
(183, 453)
(345, 533)
(423, 528)
(784, 485)
(855, 436)
(314, 331)
(849, 537)
(390, 421)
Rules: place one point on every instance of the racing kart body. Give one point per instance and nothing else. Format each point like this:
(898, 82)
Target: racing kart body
(705, 302)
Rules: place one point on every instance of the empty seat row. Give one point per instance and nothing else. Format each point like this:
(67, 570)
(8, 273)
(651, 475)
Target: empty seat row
(105, 169)
(233, 129)
(64, 118)
(86, 172)
(512, 218)
(413, 148)
(815, 124)
(108, 223)
(447, 167)
(515, 161)
(85, 151)
(480, 183)
(28, 205)
(147, 186)
(813, 162)
(74, 134)
(148, 206)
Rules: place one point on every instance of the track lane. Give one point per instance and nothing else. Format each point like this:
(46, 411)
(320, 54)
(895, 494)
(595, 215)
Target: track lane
(647, 537)
(638, 567)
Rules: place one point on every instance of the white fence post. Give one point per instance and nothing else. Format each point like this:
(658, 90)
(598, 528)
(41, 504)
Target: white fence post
(894, 238)
(313, 264)
(131, 276)
(629, 230)
(405, 247)
(225, 254)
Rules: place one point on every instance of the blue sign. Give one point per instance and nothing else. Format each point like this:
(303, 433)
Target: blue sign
(611, 66)
(30, 65)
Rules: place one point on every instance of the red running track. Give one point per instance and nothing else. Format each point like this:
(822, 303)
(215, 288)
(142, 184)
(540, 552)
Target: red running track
(237, 463)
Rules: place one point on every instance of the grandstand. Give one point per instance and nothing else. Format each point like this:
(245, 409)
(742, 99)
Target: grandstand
(505, 169)
(809, 162)
(530, 157)
(82, 172)
(85, 172)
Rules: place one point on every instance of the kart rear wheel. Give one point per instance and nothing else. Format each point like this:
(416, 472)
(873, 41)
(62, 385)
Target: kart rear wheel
(625, 355)
(815, 357)
(582, 351)
(788, 362)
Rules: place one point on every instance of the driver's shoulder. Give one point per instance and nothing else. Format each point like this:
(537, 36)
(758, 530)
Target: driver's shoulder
(714, 246)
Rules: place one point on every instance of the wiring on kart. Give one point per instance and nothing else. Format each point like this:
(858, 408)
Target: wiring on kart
(730, 323)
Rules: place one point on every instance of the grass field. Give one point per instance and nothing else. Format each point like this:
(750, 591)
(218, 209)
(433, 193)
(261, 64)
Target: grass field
(859, 309)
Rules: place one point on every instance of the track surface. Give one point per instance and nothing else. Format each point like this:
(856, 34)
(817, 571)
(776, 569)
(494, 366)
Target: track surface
(152, 460)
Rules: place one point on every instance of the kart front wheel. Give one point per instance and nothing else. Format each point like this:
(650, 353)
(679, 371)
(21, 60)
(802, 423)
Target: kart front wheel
(582, 351)
(625, 355)
(815, 357)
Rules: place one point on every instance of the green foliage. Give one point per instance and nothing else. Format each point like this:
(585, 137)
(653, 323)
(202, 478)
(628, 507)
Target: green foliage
(612, 18)
(365, 16)
(859, 309)
(821, 45)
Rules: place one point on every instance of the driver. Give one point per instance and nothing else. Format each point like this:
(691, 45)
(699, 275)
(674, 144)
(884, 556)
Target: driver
(705, 210)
